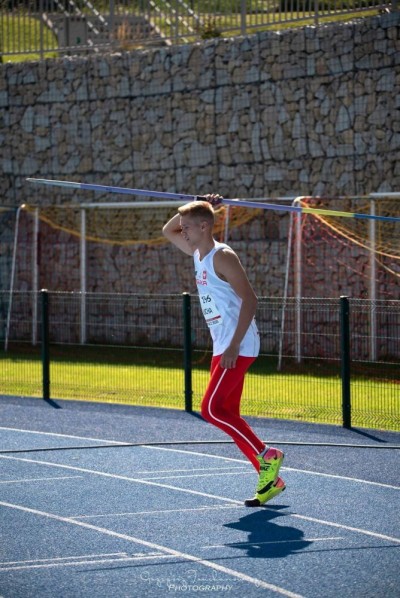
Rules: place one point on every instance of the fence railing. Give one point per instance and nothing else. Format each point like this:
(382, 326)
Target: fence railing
(155, 350)
(41, 28)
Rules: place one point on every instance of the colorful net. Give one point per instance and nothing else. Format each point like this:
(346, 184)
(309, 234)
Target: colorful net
(121, 226)
(349, 255)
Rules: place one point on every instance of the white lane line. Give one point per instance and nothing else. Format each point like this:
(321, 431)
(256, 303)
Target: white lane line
(194, 492)
(119, 477)
(195, 453)
(348, 528)
(102, 440)
(165, 550)
(305, 471)
(234, 544)
(201, 475)
(342, 477)
(245, 467)
(158, 512)
(161, 448)
(64, 558)
(79, 563)
(23, 480)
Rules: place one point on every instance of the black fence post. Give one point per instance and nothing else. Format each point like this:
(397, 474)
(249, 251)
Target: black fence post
(187, 350)
(345, 360)
(45, 345)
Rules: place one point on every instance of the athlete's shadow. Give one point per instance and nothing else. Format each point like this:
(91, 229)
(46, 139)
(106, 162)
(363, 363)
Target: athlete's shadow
(266, 539)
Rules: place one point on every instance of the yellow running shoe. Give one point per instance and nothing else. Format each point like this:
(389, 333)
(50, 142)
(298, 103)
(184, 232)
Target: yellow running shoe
(269, 469)
(277, 487)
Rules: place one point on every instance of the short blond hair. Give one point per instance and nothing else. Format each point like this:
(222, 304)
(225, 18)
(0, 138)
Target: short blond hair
(201, 210)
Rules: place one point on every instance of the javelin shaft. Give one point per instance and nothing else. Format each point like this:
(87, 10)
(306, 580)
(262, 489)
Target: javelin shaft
(260, 205)
(324, 212)
(111, 189)
(186, 198)
(156, 194)
(304, 210)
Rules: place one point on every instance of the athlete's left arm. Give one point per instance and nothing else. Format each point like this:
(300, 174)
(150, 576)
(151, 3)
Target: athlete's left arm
(228, 267)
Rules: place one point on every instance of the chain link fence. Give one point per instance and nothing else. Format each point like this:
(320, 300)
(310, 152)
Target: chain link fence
(131, 349)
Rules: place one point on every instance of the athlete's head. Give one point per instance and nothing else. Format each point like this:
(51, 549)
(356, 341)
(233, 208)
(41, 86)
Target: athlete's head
(199, 211)
(197, 221)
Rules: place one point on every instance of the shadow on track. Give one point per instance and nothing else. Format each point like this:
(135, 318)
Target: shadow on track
(266, 539)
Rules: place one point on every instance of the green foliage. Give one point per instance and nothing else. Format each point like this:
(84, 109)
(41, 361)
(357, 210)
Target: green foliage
(209, 29)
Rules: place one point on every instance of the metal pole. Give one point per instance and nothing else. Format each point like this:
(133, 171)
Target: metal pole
(316, 9)
(345, 360)
(13, 268)
(372, 283)
(45, 345)
(176, 25)
(187, 351)
(83, 276)
(227, 218)
(35, 275)
(111, 23)
(41, 26)
(298, 283)
(285, 291)
(243, 12)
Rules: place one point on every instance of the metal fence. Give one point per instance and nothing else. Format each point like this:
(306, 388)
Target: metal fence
(31, 29)
(132, 350)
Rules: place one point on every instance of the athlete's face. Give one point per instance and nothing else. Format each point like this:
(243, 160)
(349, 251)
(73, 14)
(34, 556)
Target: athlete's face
(192, 229)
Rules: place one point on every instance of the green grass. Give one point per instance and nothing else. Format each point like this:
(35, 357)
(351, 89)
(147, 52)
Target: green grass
(105, 374)
(289, 20)
(19, 33)
(309, 392)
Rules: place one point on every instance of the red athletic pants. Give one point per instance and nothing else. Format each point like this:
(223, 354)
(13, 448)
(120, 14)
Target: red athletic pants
(221, 406)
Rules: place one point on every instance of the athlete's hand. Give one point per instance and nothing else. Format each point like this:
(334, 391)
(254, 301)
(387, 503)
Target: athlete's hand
(229, 357)
(213, 198)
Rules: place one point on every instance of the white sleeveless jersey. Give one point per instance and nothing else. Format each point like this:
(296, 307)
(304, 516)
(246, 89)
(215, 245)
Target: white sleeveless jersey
(221, 306)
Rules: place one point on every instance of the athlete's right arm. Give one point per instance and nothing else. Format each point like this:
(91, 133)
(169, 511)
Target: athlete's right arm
(173, 232)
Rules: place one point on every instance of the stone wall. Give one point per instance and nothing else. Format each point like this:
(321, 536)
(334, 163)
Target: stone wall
(312, 111)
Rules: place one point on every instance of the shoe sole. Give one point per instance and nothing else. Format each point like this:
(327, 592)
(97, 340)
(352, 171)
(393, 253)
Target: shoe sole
(255, 502)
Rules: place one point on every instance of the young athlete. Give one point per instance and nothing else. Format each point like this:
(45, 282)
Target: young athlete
(229, 305)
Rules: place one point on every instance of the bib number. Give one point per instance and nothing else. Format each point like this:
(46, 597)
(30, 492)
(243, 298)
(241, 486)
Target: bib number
(210, 310)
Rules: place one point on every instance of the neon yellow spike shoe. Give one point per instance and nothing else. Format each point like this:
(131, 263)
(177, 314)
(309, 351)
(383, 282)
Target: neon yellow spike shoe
(277, 487)
(269, 469)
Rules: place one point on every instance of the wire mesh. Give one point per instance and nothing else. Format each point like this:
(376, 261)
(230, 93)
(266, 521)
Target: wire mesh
(129, 349)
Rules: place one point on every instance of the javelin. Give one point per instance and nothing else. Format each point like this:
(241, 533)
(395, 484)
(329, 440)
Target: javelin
(229, 202)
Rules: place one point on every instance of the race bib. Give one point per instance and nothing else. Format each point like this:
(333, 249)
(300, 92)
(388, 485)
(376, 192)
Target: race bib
(210, 310)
